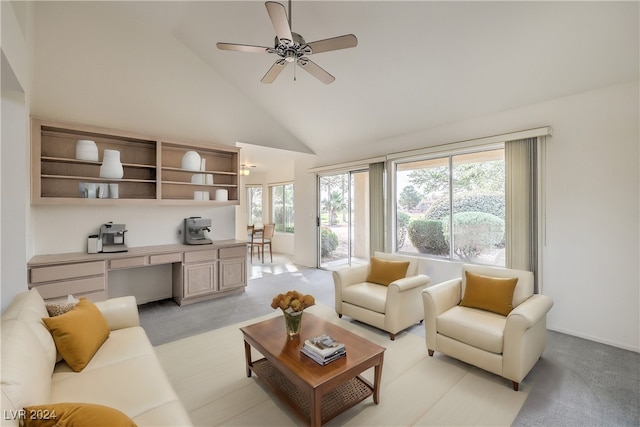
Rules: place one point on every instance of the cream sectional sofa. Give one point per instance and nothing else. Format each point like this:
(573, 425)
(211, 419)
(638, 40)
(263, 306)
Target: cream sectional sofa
(124, 374)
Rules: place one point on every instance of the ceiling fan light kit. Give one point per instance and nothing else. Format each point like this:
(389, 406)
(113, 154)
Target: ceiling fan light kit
(292, 48)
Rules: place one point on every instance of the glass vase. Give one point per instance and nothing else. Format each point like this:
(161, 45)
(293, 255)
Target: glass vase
(293, 323)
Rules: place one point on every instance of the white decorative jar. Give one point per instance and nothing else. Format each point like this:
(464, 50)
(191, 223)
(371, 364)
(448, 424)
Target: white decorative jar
(86, 150)
(222, 195)
(111, 167)
(191, 161)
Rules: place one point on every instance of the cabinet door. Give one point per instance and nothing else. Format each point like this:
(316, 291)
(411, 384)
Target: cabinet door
(199, 279)
(232, 273)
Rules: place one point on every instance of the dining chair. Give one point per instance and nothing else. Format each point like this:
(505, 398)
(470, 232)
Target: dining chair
(251, 237)
(265, 240)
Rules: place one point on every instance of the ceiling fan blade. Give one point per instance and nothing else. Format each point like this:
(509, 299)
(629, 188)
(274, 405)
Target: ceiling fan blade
(242, 48)
(335, 43)
(279, 20)
(315, 70)
(274, 71)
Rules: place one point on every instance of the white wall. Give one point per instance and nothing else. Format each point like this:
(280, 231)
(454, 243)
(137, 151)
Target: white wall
(591, 252)
(306, 208)
(92, 66)
(14, 224)
(13, 160)
(59, 229)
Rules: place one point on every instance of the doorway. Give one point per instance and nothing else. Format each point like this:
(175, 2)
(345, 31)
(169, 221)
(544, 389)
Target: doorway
(343, 205)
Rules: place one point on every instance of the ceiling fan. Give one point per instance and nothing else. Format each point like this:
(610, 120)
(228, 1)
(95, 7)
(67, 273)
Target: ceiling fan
(291, 47)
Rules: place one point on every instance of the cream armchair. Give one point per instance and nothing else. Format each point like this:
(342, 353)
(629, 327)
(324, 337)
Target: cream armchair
(508, 346)
(391, 308)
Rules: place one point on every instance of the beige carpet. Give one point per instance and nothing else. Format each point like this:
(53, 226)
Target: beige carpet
(208, 374)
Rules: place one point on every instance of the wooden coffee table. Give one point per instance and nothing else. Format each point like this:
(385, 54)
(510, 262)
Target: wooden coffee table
(317, 393)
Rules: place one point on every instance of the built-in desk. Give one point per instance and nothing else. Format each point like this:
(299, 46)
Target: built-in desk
(199, 272)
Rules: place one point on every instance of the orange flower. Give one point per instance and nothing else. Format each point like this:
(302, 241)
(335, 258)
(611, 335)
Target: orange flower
(292, 301)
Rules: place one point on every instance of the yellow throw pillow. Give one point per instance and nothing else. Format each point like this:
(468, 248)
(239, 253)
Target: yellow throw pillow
(75, 415)
(493, 294)
(383, 271)
(78, 333)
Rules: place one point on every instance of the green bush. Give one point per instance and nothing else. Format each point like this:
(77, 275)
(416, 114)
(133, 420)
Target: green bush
(491, 203)
(473, 233)
(328, 241)
(427, 237)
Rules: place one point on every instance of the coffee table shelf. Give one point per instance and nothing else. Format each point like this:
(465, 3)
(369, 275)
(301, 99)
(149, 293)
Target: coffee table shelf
(341, 398)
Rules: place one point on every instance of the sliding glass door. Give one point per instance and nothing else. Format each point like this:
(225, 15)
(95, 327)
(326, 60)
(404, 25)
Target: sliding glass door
(343, 219)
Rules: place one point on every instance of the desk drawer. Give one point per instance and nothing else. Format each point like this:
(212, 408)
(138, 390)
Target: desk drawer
(76, 287)
(198, 256)
(66, 271)
(234, 252)
(138, 261)
(165, 258)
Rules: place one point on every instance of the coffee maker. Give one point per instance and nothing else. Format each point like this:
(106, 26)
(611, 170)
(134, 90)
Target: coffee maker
(112, 237)
(194, 231)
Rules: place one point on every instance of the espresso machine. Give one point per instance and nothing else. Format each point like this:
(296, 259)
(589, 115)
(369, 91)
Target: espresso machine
(194, 231)
(111, 238)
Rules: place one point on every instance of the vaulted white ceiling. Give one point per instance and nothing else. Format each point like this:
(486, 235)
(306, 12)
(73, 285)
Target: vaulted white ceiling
(418, 64)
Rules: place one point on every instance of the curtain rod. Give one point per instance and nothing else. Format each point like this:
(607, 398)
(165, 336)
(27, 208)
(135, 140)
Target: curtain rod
(511, 136)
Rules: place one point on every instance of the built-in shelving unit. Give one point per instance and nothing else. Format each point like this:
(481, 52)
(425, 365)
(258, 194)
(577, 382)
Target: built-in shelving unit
(220, 172)
(152, 168)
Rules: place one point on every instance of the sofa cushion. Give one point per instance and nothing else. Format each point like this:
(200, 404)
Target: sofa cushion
(75, 414)
(27, 352)
(30, 308)
(79, 333)
(25, 369)
(367, 295)
(130, 379)
(383, 272)
(493, 294)
(478, 328)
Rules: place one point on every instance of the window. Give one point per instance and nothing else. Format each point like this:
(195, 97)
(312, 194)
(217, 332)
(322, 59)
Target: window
(282, 207)
(453, 207)
(254, 205)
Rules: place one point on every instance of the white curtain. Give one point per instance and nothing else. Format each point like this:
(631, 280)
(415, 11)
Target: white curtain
(376, 207)
(521, 182)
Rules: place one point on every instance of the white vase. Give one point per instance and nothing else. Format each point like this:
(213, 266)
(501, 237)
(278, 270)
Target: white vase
(86, 150)
(111, 167)
(222, 195)
(191, 161)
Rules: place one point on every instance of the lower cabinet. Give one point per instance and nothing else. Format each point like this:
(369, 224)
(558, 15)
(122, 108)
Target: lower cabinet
(233, 274)
(233, 268)
(210, 274)
(199, 279)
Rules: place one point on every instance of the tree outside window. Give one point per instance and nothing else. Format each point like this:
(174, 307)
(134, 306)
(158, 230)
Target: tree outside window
(254, 205)
(453, 207)
(282, 213)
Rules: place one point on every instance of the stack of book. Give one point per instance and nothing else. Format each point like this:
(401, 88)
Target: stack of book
(323, 349)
